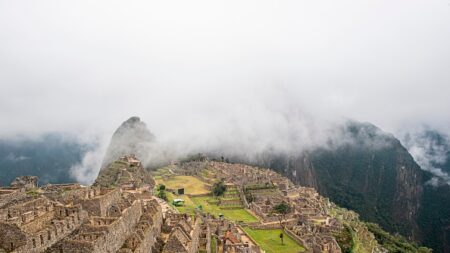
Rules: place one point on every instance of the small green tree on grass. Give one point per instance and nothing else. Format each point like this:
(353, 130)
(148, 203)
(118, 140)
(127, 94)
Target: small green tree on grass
(281, 210)
(162, 192)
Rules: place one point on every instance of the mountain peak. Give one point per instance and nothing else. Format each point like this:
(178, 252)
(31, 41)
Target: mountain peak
(133, 120)
(131, 137)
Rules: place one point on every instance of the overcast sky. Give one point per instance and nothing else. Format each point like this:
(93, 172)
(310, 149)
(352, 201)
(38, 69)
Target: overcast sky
(193, 67)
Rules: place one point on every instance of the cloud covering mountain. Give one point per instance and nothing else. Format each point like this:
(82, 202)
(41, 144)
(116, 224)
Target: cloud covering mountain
(198, 65)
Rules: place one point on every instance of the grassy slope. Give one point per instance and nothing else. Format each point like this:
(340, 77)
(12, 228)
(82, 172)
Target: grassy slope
(192, 185)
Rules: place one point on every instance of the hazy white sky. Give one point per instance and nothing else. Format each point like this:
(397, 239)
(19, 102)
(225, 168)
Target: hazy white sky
(196, 67)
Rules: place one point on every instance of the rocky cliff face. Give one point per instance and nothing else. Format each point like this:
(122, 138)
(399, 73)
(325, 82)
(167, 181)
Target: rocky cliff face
(300, 169)
(132, 137)
(431, 149)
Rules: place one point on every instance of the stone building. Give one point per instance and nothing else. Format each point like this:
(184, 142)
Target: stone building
(69, 218)
(184, 235)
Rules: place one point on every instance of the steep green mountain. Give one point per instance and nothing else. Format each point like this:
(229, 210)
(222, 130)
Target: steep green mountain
(434, 217)
(431, 149)
(49, 157)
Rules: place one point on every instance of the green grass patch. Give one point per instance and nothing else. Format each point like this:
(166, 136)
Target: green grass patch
(269, 240)
(238, 214)
(209, 206)
(188, 206)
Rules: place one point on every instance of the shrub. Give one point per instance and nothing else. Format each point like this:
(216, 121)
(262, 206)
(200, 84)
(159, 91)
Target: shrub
(219, 188)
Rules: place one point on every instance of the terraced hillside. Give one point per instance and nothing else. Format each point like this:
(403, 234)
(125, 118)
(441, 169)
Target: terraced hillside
(250, 201)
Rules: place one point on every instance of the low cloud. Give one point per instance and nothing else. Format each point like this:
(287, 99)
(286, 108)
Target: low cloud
(431, 150)
(16, 158)
(86, 171)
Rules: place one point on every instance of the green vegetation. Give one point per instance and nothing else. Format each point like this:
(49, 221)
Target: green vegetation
(345, 240)
(195, 158)
(162, 192)
(281, 209)
(394, 243)
(33, 192)
(219, 188)
(213, 244)
(269, 240)
(210, 205)
(188, 206)
(49, 157)
(434, 216)
(237, 214)
(259, 187)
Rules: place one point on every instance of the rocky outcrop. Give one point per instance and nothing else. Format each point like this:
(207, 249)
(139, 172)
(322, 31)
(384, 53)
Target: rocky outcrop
(26, 182)
(299, 169)
(126, 172)
(132, 137)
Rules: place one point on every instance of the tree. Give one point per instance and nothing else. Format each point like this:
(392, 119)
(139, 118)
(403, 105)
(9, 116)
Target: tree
(219, 188)
(281, 210)
(162, 194)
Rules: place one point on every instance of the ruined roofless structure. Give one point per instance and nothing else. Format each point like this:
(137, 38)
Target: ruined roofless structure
(120, 215)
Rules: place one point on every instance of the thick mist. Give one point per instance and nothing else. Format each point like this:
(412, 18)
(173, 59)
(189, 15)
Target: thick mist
(240, 76)
(431, 150)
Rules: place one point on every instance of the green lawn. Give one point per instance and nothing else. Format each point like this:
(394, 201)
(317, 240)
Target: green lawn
(269, 240)
(191, 203)
(194, 186)
(236, 214)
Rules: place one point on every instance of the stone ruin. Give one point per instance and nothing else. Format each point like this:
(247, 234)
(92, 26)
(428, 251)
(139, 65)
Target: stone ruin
(71, 218)
(120, 214)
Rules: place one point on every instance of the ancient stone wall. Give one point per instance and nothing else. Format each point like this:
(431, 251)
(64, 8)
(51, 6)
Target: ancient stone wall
(195, 234)
(120, 229)
(49, 235)
(296, 238)
(67, 195)
(150, 237)
(11, 237)
(98, 205)
(9, 195)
